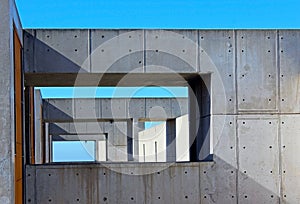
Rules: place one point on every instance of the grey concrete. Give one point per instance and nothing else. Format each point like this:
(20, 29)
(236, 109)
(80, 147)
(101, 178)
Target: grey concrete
(289, 151)
(258, 158)
(8, 16)
(289, 41)
(96, 137)
(258, 68)
(67, 110)
(38, 127)
(176, 184)
(152, 144)
(171, 140)
(243, 107)
(137, 126)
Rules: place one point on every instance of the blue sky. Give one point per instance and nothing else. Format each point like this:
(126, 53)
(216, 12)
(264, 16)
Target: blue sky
(175, 14)
(159, 13)
(111, 92)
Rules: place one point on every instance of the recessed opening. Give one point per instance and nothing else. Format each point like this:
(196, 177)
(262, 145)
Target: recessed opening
(122, 124)
(73, 151)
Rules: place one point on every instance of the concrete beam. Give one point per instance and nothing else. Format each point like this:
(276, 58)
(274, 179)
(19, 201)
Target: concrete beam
(98, 137)
(111, 51)
(68, 110)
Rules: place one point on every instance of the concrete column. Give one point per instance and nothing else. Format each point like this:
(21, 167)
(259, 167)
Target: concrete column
(101, 150)
(130, 140)
(38, 127)
(136, 128)
(47, 144)
(171, 140)
(117, 141)
(7, 119)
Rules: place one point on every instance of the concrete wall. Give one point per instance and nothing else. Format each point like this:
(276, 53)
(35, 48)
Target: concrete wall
(9, 17)
(152, 144)
(251, 127)
(67, 110)
(155, 147)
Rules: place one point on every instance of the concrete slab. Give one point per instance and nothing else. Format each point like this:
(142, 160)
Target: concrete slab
(290, 167)
(289, 41)
(258, 161)
(257, 65)
(217, 56)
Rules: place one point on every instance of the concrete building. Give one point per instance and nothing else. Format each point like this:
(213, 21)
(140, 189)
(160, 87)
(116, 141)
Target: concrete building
(242, 112)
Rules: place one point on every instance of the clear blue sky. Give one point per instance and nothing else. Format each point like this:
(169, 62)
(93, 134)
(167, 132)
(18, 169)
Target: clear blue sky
(151, 14)
(159, 13)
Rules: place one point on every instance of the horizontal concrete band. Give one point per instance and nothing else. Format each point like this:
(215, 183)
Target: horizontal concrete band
(98, 137)
(68, 110)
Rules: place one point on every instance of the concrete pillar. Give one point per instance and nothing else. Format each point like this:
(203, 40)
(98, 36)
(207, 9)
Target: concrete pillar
(101, 150)
(117, 141)
(38, 127)
(182, 139)
(136, 128)
(7, 119)
(171, 140)
(47, 144)
(130, 140)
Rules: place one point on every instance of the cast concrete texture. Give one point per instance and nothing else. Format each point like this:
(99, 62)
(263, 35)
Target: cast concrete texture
(248, 111)
(106, 109)
(163, 143)
(8, 16)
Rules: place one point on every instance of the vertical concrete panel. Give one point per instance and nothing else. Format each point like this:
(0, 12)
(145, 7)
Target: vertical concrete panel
(47, 144)
(290, 169)
(184, 183)
(171, 51)
(257, 70)
(30, 191)
(117, 51)
(7, 120)
(101, 149)
(115, 150)
(224, 139)
(28, 53)
(61, 50)
(148, 138)
(119, 133)
(218, 179)
(39, 140)
(182, 138)
(258, 179)
(218, 182)
(289, 50)
(217, 53)
(176, 184)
